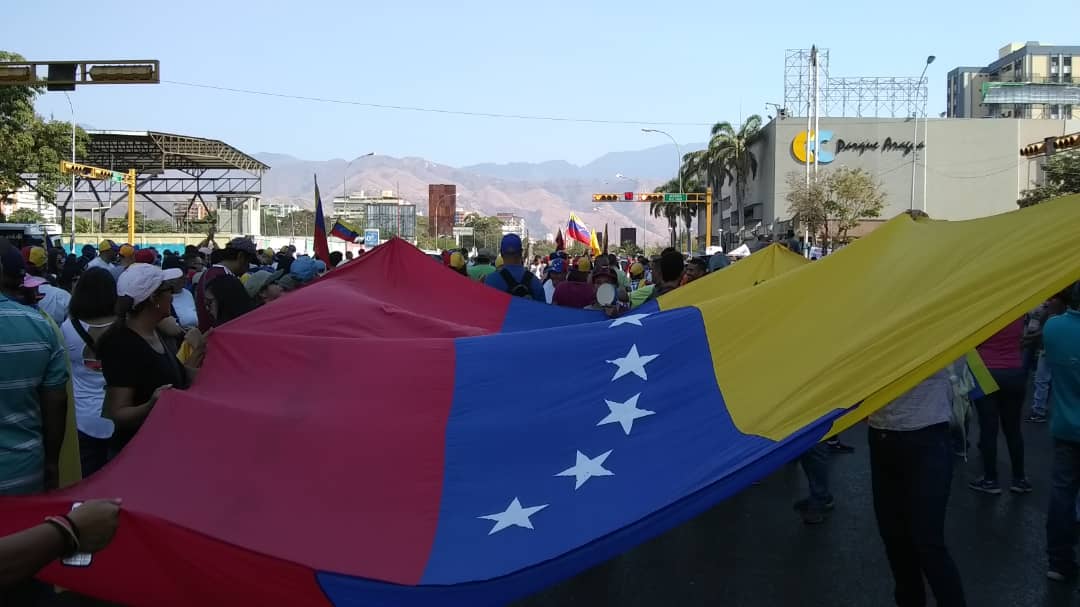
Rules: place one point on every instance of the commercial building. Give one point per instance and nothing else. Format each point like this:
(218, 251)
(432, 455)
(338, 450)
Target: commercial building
(386, 212)
(511, 224)
(187, 211)
(962, 168)
(442, 208)
(1028, 80)
(280, 209)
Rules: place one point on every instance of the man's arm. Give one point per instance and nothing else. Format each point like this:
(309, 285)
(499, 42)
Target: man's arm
(53, 422)
(53, 399)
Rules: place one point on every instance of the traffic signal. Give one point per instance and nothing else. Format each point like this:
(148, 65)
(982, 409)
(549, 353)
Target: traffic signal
(89, 172)
(1067, 142)
(605, 197)
(1032, 150)
(652, 197)
(628, 196)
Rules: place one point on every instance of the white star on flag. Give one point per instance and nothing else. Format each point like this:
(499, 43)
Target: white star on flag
(624, 414)
(632, 363)
(513, 516)
(631, 319)
(586, 468)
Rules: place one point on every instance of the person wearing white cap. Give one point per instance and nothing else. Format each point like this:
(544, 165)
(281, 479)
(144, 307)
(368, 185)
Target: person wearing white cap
(136, 362)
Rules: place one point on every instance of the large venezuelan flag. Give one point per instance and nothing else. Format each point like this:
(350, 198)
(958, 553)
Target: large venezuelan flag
(471, 488)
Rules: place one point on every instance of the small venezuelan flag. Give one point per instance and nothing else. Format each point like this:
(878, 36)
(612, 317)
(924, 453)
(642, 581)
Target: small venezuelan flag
(344, 231)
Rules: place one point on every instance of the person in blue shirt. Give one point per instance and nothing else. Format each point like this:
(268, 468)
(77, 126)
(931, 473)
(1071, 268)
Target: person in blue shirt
(1061, 350)
(513, 277)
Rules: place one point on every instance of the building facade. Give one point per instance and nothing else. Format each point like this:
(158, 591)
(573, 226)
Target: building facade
(1028, 80)
(27, 199)
(187, 211)
(961, 169)
(280, 209)
(386, 212)
(511, 224)
(442, 208)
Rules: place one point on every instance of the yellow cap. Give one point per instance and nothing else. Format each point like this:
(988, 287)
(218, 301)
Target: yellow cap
(127, 251)
(637, 270)
(584, 265)
(457, 260)
(38, 258)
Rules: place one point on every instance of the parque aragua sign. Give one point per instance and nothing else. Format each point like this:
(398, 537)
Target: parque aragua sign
(860, 147)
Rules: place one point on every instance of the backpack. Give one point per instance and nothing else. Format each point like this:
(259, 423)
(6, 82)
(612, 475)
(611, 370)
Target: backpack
(515, 288)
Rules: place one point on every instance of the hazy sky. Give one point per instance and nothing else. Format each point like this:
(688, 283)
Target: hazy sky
(692, 62)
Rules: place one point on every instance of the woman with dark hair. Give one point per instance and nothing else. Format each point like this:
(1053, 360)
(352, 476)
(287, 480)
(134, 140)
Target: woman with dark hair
(69, 273)
(138, 363)
(90, 315)
(226, 299)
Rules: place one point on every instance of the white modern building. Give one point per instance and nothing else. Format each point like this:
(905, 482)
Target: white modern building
(27, 199)
(280, 209)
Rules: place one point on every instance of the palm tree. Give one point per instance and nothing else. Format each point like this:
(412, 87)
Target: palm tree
(728, 159)
(674, 210)
(666, 209)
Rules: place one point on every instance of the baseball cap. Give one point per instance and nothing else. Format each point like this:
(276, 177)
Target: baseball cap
(457, 260)
(243, 244)
(557, 266)
(107, 245)
(303, 269)
(583, 264)
(145, 256)
(140, 281)
(34, 256)
(127, 250)
(259, 281)
(560, 255)
(637, 270)
(511, 245)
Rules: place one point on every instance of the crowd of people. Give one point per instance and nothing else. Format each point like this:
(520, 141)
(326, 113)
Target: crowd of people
(574, 281)
(114, 328)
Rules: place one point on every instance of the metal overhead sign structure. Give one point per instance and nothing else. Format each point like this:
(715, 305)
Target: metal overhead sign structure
(705, 198)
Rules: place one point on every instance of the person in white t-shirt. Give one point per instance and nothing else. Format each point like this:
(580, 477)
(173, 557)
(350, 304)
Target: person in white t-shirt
(106, 259)
(556, 274)
(54, 300)
(93, 305)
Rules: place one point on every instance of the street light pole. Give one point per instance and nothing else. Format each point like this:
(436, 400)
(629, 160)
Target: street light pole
(678, 171)
(344, 192)
(71, 243)
(644, 211)
(915, 135)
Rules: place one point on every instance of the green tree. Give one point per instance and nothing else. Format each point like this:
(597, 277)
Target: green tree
(728, 159)
(543, 248)
(487, 231)
(834, 203)
(25, 216)
(1062, 177)
(31, 145)
(300, 223)
(673, 211)
(629, 249)
(83, 225)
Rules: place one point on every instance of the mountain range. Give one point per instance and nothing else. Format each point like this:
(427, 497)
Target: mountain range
(544, 193)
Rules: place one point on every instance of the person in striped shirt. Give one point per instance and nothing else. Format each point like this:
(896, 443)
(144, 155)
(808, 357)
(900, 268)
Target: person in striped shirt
(33, 382)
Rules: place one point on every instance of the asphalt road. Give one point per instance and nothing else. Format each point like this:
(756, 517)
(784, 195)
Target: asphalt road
(753, 550)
